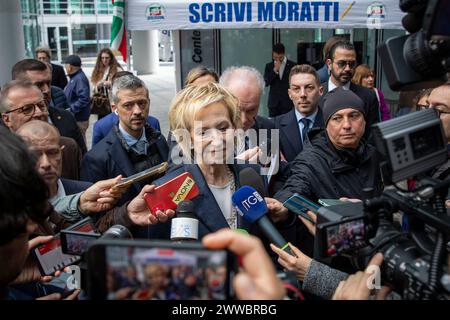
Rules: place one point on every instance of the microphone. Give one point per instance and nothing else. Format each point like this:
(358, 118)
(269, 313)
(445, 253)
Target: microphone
(249, 177)
(252, 207)
(184, 226)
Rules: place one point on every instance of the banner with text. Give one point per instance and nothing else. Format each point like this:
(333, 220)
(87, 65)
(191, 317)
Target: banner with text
(222, 14)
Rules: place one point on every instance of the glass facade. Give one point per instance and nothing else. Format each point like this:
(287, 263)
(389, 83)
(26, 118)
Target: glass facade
(31, 30)
(77, 6)
(252, 47)
(88, 39)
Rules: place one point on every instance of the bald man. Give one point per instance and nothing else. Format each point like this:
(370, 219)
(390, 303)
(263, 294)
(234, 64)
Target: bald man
(43, 140)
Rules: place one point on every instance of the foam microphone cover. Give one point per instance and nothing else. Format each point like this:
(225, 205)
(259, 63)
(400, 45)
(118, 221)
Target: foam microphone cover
(249, 177)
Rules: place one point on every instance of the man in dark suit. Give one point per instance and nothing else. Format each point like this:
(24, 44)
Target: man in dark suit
(43, 140)
(305, 92)
(276, 75)
(39, 74)
(59, 78)
(132, 145)
(341, 64)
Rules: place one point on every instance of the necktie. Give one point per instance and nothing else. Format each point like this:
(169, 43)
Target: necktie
(305, 129)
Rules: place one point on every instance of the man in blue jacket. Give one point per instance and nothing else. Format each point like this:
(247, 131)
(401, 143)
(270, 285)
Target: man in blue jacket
(78, 93)
(131, 146)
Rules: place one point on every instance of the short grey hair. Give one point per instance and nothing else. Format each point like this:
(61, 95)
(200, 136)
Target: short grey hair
(45, 50)
(11, 85)
(231, 73)
(126, 82)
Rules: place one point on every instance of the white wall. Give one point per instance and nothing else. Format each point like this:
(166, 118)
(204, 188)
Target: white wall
(11, 37)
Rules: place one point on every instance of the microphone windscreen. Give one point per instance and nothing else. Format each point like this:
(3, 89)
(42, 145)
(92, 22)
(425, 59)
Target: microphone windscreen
(412, 22)
(249, 177)
(249, 203)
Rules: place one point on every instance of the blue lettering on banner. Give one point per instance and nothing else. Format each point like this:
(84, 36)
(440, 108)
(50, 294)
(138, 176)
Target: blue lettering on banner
(336, 11)
(207, 17)
(268, 11)
(280, 11)
(239, 10)
(194, 15)
(265, 11)
(220, 12)
(316, 6)
(327, 6)
(306, 12)
(293, 11)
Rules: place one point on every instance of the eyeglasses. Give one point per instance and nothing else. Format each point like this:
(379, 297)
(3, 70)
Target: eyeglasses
(439, 112)
(29, 109)
(422, 106)
(342, 63)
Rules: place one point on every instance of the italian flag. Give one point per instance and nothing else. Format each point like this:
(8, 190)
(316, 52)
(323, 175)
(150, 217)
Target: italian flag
(118, 34)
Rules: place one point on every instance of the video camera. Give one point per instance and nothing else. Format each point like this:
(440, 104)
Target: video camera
(414, 258)
(422, 59)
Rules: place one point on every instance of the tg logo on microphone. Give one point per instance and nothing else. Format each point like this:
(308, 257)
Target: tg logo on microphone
(252, 200)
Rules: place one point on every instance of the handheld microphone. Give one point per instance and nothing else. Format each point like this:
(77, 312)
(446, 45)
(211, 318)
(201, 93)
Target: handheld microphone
(253, 208)
(184, 226)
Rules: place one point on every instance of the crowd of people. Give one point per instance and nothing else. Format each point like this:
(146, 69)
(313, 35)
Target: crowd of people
(319, 131)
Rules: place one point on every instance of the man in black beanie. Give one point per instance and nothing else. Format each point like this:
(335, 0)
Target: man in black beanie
(336, 162)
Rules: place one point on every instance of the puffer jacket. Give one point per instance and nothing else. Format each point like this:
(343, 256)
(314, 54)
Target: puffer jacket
(321, 171)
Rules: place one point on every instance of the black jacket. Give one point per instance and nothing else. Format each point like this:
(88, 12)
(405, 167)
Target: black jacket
(371, 105)
(64, 121)
(279, 101)
(290, 140)
(320, 171)
(59, 98)
(108, 158)
(59, 78)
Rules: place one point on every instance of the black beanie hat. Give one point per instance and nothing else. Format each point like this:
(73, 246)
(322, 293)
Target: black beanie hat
(339, 99)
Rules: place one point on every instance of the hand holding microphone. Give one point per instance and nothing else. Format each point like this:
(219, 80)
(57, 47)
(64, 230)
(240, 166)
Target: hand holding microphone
(252, 206)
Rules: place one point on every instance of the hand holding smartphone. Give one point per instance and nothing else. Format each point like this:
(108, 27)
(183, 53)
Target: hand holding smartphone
(156, 170)
(300, 205)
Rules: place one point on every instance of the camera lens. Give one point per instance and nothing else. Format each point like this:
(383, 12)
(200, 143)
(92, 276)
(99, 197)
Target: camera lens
(421, 57)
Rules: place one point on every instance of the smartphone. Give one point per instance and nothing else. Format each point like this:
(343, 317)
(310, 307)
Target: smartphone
(341, 237)
(51, 258)
(169, 194)
(300, 205)
(330, 202)
(163, 270)
(156, 170)
(77, 243)
(85, 225)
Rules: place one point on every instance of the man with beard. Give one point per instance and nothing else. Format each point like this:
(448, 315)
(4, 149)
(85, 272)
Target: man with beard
(40, 74)
(305, 92)
(132, 145)
(341, 64)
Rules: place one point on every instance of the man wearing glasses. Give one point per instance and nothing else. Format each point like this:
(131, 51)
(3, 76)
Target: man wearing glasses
(22, 101)
(341, 65)
(39, 74)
